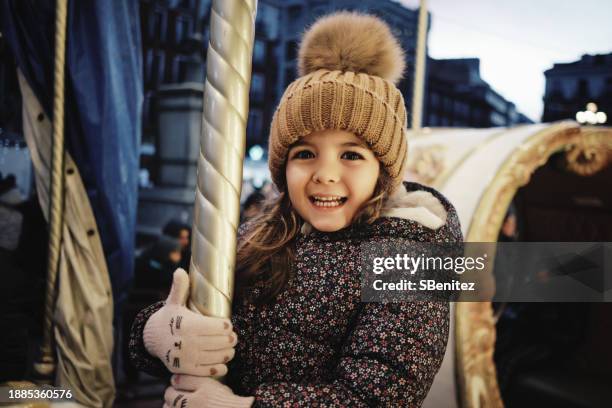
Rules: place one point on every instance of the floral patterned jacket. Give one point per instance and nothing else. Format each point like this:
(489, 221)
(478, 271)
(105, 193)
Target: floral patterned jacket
(317, 344)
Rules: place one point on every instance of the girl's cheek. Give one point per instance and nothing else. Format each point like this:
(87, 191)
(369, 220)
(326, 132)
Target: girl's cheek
(297, 171)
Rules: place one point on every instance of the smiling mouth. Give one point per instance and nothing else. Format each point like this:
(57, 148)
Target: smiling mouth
(327, 201)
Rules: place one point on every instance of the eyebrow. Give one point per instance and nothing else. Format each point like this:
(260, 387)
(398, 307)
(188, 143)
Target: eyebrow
(299, 143)
(354, 144)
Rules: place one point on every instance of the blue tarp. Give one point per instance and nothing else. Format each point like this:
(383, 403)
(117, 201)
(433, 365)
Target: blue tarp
(104, 93)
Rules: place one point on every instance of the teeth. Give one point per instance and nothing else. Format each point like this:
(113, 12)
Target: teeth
(334, 198)
(333, 201)
(327, 204)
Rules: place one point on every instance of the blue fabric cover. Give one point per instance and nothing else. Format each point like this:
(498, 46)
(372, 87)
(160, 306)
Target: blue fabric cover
(104, 93)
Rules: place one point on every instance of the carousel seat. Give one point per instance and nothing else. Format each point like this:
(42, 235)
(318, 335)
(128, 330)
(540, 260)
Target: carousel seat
(561, 389)
(557, 176)
(576, 372)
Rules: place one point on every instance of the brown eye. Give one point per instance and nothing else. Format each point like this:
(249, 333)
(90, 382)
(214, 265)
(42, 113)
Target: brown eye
(352, 156)
(303, 154)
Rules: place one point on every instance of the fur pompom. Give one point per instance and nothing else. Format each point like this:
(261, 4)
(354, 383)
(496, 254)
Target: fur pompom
(349, 41)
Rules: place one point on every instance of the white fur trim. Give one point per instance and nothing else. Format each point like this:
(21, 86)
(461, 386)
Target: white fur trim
(420, 206)
(306, 228)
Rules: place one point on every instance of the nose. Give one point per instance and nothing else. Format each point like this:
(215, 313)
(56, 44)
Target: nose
(327, 172)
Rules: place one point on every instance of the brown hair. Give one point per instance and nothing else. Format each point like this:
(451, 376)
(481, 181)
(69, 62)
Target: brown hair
(266, 253)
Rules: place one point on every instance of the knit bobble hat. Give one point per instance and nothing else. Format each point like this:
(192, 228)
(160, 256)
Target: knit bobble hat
(348, 64)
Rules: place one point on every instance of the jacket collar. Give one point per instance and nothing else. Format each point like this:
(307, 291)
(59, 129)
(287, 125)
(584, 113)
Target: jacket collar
(420, 206)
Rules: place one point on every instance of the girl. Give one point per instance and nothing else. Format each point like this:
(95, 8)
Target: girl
(337, 153)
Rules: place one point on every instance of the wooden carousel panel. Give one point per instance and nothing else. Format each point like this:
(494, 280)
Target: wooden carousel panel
(435, 153)
(514, 170)
(468, 182)
(475, 328)
(480, 172)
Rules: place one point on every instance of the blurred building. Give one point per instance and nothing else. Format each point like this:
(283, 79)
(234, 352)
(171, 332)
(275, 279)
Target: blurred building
(175, 41)
(456, 96)
(173, 38)
(571, 86)
(264, 92)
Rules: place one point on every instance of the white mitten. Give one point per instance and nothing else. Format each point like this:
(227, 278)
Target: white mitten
(187, 342)
(202, 392)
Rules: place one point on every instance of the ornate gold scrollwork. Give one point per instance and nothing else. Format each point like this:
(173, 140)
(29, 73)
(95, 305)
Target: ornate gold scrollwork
(427, 162)
(475, 343)
(475, 327)
(590, 154)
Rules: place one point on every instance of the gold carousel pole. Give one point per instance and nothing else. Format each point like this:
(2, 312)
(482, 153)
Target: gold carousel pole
(45, 366)
(222, 143)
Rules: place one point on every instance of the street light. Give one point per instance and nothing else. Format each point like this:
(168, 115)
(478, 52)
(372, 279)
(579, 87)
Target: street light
(256, 152)
(591, 115)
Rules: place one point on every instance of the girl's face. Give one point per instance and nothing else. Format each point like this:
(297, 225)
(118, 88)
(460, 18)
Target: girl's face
(330, 174)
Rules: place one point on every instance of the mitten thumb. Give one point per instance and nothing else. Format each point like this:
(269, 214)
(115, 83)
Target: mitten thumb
(180, 288)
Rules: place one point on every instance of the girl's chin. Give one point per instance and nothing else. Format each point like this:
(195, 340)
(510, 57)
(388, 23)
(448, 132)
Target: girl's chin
(331, 226)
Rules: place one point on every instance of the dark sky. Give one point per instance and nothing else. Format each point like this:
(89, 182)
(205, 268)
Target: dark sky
(517, 40)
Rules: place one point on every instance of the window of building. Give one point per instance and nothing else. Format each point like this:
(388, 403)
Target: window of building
(157, 26)
(260, 27)
(497, 119)
(254, 126)
(608, 87)
(289, 76)
(269, 17)
(291, 49)
(188, 4)
(555, 85)
(554, 88)
(182, 29)
(477, 116)
(179, 66)
(259, 52)
(147, 107)
(446, 103)
(433, 99)
(157, 68)
(257, 87)
(295, 12)
(433, 119)
(461, 109)
(148, 65)
(583, 87)
(496, 101)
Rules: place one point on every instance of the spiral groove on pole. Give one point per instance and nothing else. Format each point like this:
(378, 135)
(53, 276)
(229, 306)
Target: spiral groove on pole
(46, 364)
(222, 143)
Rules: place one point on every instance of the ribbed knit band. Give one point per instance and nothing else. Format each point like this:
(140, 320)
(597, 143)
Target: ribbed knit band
(368, 106)
(229, 401)
(151, 335)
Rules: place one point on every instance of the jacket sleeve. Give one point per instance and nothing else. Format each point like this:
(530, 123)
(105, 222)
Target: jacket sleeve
(139, 356)
(389, 359)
